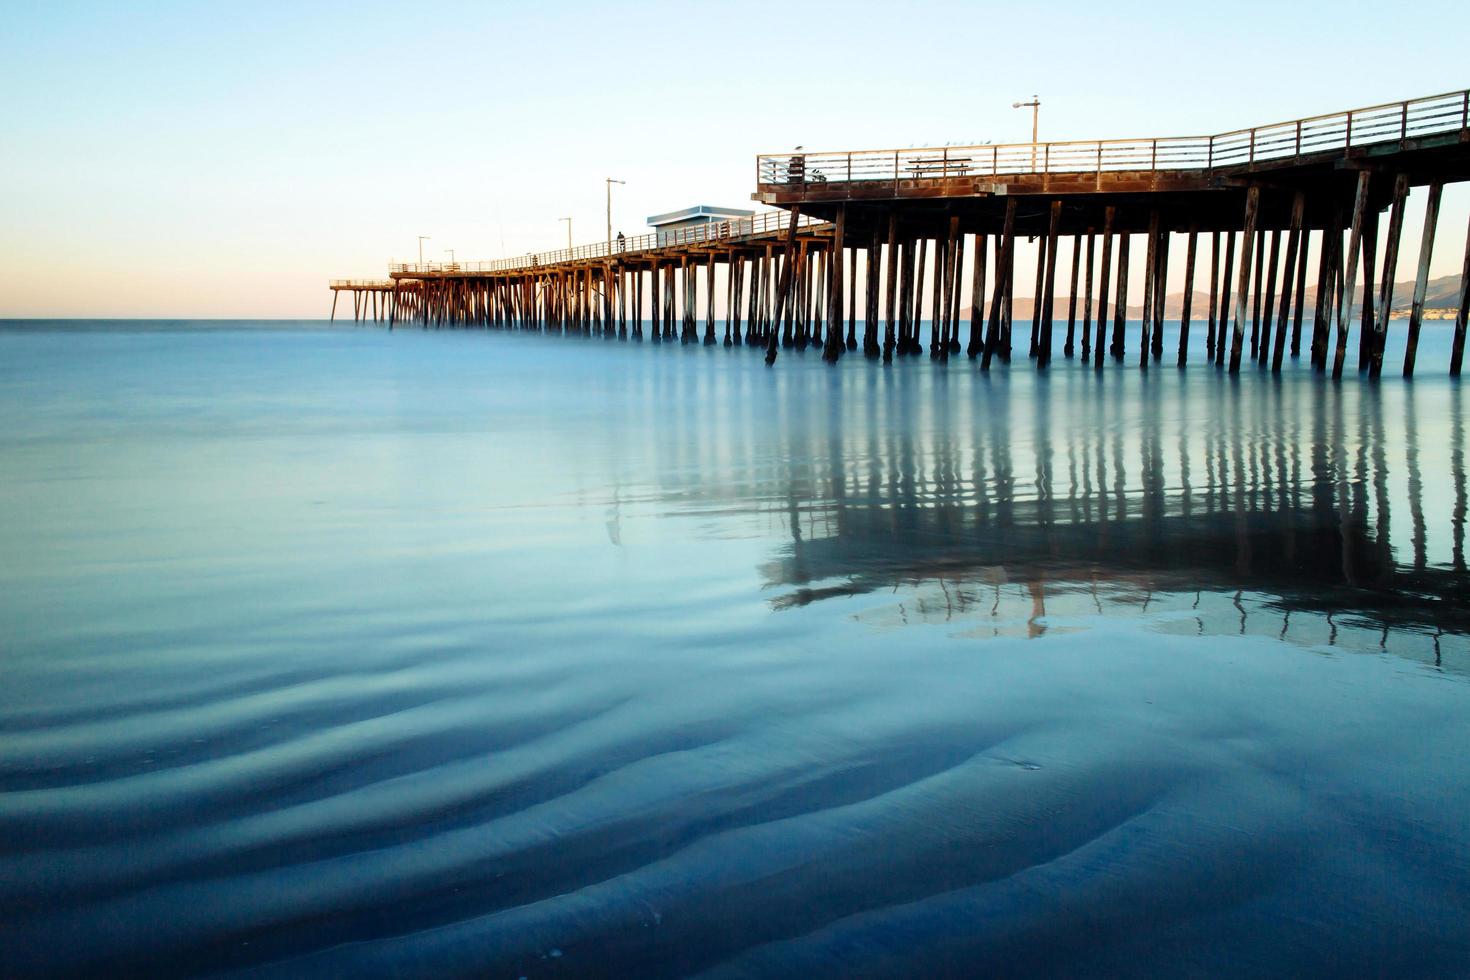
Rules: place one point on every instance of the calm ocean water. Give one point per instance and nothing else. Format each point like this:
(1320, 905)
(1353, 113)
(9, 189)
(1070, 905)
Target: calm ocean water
(354, 653)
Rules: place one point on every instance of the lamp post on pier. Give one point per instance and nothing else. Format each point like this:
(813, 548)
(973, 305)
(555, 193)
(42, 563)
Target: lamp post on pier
(422, 239)
(1035, 106)
(610, 182)
(451, 255)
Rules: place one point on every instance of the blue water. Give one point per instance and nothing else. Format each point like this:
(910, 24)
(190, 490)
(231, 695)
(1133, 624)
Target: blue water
(427, 653)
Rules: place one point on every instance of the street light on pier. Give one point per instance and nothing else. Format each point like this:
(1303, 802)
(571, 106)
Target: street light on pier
(1035, 106)
(569, 232)
(451, 255)
(610, 182)
(422, 239)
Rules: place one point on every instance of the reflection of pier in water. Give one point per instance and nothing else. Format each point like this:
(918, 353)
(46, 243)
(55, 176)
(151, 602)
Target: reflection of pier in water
(1330, 532)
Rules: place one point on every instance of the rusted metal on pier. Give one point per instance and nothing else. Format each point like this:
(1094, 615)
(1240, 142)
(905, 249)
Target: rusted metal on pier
(1274, 197)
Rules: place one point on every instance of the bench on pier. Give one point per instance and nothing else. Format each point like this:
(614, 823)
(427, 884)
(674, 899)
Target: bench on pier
(940, 167)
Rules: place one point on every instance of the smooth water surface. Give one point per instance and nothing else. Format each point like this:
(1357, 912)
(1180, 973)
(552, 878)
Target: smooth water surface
(429, 653)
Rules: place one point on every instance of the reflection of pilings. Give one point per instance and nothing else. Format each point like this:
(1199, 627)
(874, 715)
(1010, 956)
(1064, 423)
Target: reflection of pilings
(1301, 516)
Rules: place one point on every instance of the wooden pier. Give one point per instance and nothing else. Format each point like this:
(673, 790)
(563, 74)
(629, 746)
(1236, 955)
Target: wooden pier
(1268, 203)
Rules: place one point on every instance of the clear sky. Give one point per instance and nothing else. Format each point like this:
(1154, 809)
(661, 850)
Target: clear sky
(220, 160)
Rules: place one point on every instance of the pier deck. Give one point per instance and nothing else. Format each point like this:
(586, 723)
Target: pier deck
(1268, 190)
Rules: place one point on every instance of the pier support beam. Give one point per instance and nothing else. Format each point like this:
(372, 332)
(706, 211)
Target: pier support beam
(1350, 272)
(1421, 279)
(1457, 351)
(1150, 288)
(1268, 304)
(1067, 348)
(890, 289)
(1102, 291)
(1087, 300)
(832, 350)
(977, 298)
(1002, 262)
(1390, 269)
(1293, 244)
(784, 287)
(1252, 207)
(1048, 302)
(1120, 304)
(1189, 250)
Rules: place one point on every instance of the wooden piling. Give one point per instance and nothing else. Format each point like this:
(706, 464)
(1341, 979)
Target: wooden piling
(871, 286)
(1369, 304)
(1034, 349)
(1002, 260)
(1048, 301)
(977, 298)
(1103, 275)
(1087, 301)
(1390, 269)
(1421, 279)
(1120, 303)
(1326, 286)
(1457, 351)
(656, 333)
(1293, 243)
(832, 350)
(709, 301)
(1214, 296)
(1258, 284)
(1067, 348)
(1269, 302)
(784, 288)
(1150, 288)
(940, 302)
(956, 268)
(1350, 271)
(916, 320)
(1007, 301)
(1300, 301)
(1189, 250)
(891, 288)
(1247, 242)
(905, 304)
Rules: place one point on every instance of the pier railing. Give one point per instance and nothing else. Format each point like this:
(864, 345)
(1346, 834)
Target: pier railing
(361, 284)
(708, 234)
(1275, 143)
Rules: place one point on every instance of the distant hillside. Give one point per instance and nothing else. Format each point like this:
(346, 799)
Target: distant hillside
(1442, 293)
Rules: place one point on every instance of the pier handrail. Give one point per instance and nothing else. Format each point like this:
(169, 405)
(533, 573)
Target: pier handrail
(712, 233)
(1274, 143)
(361, 284)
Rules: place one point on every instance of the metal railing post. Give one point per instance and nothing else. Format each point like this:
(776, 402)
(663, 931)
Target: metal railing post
(1298, 152)
(1253, 146)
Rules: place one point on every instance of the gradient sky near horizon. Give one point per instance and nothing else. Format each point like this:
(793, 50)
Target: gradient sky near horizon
(173, 159)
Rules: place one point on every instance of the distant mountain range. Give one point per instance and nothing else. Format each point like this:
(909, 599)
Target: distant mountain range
(1443, 293)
